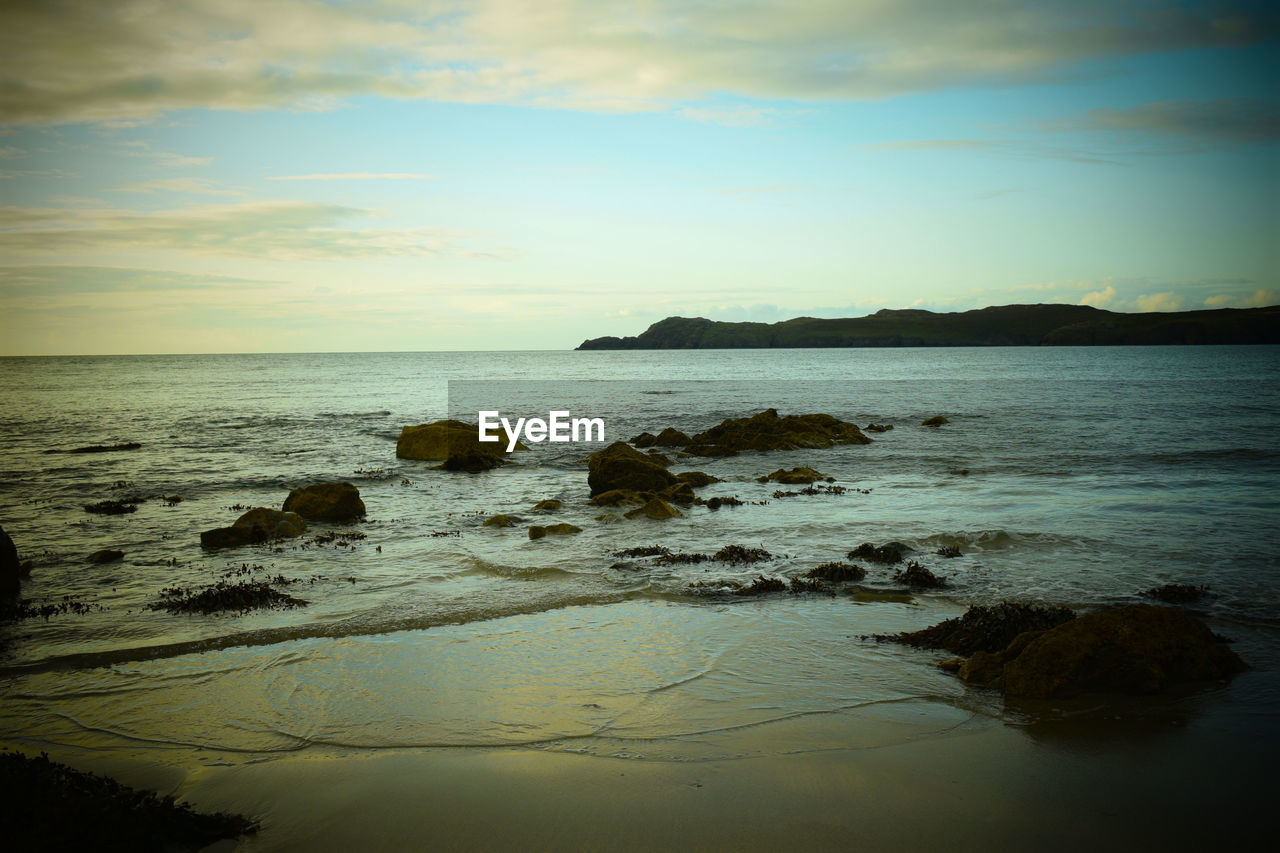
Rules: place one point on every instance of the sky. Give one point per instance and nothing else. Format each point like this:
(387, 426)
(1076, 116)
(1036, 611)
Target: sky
(299, 176)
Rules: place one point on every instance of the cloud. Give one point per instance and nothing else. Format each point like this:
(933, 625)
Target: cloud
(50, 280)
(736, 116)
(191, 186)
(80, 63)
(1100, 298)
(1159, 302)
(1223, 123)
(355, 176)
(284, 230)
(138, 148)
(1022, 149)
(1260, 298)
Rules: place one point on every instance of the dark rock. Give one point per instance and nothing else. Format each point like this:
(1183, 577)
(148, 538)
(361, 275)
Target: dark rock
(1177, 593)
(796, 476)
(111, 507)
(538, 531)
(1138, 648)
(326, 502)
(697, 479)
(948, 551)
(890, 552)
(106, 555)
(837, 572)
(440, 440)
(257, 525)
(620, 466)
(917, 576)
(935, 421)
(471, 463)
(714, 504)
(548, 505)
(671, 437)
(878, 427)
(10, 565)
(982, 628)
(767, 431)
(643, 440)
(656, 509)
(502, 521)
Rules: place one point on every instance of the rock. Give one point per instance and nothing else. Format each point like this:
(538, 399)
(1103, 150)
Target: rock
(697, 479)
(548, 505)
(950, 664)
(762, 585)
(326, 502)
(984, 669)
(984, 628)
(869, 594)
(796, 476)
(538, 531)
(837, 572)
(439, 440)
(620, 466)
(1138, 648)
(671, 437)
(257, 525)
(10, 565)
(471, 462)
(1176, 593)
(502, 521)
(878, 427)
(948, 551)
(617, 497)
(767, 431)
(917, 576)
(106, 448)
(935, 421)
(715, 503)
(735, 554)
(890, 552)
(656, 509)
(643, 440)
(106, 555)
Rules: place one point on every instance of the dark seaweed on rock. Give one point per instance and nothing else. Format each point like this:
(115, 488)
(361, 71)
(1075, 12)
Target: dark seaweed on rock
(14, 611)
(111, 508)
(1177, 593)
(670, 558)
(762, 585)
(767, 431)
(918, 577)
(890, 553)
(102, 448)
(837, 572)
(983, 629)
(714, 504)
(948, 551)
(642, 551)
(735, 554)
(227, 597)
(49, 806)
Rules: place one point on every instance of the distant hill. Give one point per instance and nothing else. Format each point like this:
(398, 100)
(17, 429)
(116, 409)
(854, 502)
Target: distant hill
(1004, 325)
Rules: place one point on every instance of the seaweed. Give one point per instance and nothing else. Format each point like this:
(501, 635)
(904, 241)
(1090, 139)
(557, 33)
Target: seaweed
(228, 597)
(111, 507)
(837, 572)
(735, 554)
(983, 628)
(1177, 593)
(762, 585)
(918, 577)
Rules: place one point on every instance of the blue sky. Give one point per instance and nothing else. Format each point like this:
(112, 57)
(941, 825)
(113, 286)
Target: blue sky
(299, 176)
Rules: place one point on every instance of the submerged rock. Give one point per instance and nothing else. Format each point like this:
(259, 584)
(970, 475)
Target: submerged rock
(106, 555)
(656, 509)
(538, 531)
(10, 565)
(697, 479)
(106, 448)
(471, 462)
(548, 505)
(122, 507)
(326, 502)
(935, 421)
(801, 476)
(1138, 648)
(502, 521)
(878, 427)
(1176, 593)
(440, 440)
(890, 552)
(917, 576)
(767, 431)
(734, 554)
(259, 524)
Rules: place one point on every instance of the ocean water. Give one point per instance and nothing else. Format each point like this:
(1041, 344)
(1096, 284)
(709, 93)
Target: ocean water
(1066, 476)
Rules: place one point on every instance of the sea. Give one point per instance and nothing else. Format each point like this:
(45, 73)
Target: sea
(1066, 476)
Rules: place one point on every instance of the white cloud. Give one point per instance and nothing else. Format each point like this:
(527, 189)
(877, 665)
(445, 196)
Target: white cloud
(1159, 302)
(78, 63)
(190, 186)
(1099, 298)
(1259, 299)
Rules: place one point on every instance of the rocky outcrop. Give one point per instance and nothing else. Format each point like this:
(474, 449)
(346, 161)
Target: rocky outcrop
(669, 437)
(768, 431)
(656, 509)
(697, 479)
(548, 505)
(803, 475)
(106, 555)
(1139, 648)
(984, 628)
(538, 531)
(459, 441)
(935, 421)
(890, 552)
(620, 466)
(257, 525)
(502, 521)
(335, 502)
